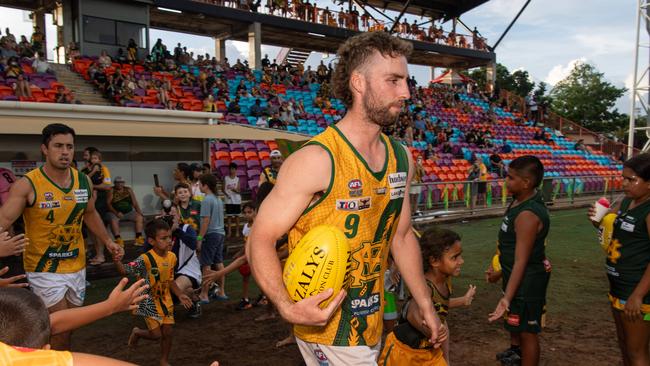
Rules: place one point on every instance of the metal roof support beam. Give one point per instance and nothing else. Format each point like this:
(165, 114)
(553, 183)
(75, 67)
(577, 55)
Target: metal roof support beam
(509, 26)
(380, 12)
(396, 22)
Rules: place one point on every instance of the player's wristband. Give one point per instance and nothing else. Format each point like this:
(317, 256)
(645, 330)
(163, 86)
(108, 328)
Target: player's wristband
(199, 237)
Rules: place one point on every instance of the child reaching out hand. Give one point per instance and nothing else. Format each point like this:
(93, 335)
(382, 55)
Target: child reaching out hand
(408, 343)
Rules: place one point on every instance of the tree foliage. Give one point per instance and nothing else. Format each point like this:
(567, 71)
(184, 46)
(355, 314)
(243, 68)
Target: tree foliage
(585, 97)
(517, 82)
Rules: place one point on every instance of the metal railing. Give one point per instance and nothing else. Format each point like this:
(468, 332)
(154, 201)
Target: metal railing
(568, 127)
(346, 20)
(448, 197)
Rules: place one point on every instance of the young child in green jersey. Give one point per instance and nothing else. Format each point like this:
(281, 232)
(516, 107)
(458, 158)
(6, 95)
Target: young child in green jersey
(522, 238)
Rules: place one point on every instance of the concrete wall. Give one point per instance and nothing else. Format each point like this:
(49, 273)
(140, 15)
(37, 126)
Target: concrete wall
(134, 159)
(132, 12)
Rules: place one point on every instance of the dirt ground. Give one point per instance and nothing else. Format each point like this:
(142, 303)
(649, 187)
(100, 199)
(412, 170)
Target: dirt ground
(579, 331)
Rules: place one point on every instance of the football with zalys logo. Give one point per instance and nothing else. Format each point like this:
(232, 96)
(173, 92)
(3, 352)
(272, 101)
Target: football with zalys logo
(321, 260)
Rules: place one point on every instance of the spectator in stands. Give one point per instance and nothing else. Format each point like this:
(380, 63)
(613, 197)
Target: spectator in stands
(132, 51)
(104, 60)
(265, 61)
(60, 96)
(477, 174)
(233, 106)
(72, 51)
(287, 113)
(123, 206)
(8, 37)
(25, 48)
(446, 148)
(209, 104)
(416, 184)
(276, 122)
(37, 39)
(7, 51)
(257, 110)
(70, 98)
(178, 52)
(580, 145)
(21, 87)
(531, 105)
(496, 164)
(157, 51)
(13, 69)
(41, 66)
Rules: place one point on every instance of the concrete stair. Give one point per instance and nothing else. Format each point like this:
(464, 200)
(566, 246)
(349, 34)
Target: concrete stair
(84, 91)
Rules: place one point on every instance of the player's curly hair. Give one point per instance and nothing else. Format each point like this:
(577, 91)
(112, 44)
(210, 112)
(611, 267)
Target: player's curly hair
(355, 52)
(434, 242)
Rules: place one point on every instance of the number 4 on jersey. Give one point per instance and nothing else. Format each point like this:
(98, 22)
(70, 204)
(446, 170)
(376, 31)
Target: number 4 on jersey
(50, 216)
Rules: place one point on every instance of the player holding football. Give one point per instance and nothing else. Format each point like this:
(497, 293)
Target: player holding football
(353, 177)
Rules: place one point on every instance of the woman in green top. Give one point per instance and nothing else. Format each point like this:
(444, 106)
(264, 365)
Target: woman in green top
(628, 259)
(522, 239)
(123, 206)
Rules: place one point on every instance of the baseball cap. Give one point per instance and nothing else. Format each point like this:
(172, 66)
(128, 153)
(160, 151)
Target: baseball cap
(275, 153)
(119, 179)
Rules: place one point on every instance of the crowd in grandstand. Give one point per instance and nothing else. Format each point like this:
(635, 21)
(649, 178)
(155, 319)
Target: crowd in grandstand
(354, 20)
(26, 74)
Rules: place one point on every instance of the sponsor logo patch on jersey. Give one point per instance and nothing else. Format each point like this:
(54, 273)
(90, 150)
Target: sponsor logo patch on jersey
(366, 305)
(355, 204)
(81, 195)
(396, 193)
(49, 196)
(397, 179)
(380, 191)
(320, 355)
(50, 204)
(627, 226)
(364, 203)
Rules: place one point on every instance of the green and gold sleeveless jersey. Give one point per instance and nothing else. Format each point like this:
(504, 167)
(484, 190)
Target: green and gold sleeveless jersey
(191, 215)
(410, 335)
(53, 224)
(628, 254)
(533, 285)
(366, 205)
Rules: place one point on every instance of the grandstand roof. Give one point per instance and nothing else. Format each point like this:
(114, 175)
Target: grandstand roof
(229, 23)
(26, 118)
(436, 9)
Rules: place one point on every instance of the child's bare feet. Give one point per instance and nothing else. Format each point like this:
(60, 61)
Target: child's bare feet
(133, 338)
(285, 342)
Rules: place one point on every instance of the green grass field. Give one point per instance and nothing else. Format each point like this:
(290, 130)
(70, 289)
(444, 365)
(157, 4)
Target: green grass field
(579, 326)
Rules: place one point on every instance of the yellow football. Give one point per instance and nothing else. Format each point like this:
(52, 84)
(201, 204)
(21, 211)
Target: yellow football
(496, 263)
(605, 230)
(321, 260)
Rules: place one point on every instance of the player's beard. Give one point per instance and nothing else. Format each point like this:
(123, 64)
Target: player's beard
(377, 113)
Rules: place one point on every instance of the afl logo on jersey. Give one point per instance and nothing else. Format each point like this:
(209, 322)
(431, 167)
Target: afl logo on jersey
(356, 187)
(355, 184)
(49, 196)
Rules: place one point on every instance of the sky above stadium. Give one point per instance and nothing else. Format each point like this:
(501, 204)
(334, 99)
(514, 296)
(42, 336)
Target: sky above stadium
(547, 40)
